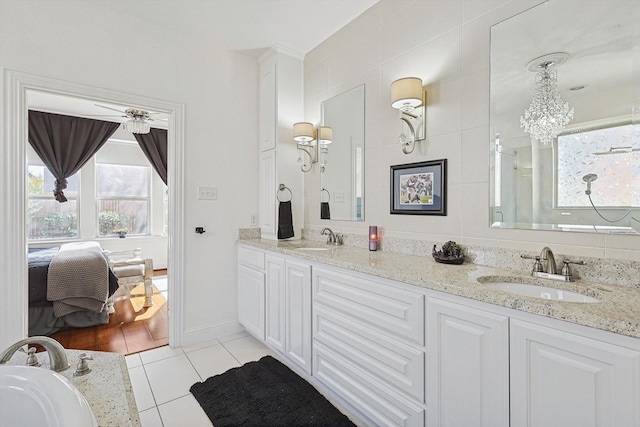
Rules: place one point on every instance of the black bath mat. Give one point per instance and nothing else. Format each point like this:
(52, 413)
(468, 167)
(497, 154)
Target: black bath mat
(264, 393)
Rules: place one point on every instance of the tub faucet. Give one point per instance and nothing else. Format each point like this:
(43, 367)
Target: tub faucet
(57, 356)
(549, 261)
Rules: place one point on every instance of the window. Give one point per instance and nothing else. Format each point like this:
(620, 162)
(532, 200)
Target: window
(123, 194)
(613, 154)
(46, 217)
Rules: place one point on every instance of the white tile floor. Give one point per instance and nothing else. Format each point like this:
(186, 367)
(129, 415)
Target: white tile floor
(161, 377)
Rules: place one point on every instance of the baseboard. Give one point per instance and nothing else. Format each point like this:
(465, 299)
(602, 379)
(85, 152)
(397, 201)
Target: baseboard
(208, 333)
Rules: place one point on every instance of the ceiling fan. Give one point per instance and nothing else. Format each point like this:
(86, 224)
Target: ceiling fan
(138, 119)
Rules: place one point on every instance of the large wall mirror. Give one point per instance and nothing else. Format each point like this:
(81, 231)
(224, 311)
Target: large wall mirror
(342, 161)
(565, 118)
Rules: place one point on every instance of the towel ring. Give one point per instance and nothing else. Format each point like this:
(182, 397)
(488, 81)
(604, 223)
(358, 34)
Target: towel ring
(328, 194)
(283, 187)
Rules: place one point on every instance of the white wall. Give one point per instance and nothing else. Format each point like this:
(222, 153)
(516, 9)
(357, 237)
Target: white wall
(446, 43)
(82, 42)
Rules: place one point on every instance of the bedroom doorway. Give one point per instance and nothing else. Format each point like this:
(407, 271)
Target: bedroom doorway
(117, 190)
(14, 323)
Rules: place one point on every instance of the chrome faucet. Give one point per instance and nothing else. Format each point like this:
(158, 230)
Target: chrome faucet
(549, 261)
(545, 266)
(333, 238)
(57, 356)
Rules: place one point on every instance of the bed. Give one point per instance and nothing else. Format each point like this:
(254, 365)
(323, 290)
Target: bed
(69, 286)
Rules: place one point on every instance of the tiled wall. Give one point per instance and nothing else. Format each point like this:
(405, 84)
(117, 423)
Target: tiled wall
(446, 43)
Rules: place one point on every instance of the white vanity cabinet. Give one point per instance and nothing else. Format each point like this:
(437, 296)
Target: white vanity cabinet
(394, 354)
(368, 346)
(467, 366)
(565, 379)
(251, 291)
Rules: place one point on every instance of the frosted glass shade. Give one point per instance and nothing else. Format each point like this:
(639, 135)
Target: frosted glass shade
(325, 135)
(137, 125)
(406, 94)
(303, 132)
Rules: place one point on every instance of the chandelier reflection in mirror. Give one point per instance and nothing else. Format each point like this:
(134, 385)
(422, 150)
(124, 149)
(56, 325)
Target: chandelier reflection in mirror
(548, 113)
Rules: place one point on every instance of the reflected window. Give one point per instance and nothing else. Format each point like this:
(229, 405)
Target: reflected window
(613, 154)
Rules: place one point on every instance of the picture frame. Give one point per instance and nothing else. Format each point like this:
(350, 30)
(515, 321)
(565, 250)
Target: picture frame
(419, 188)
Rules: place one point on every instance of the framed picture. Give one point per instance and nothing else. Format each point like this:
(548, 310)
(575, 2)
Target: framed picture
(419, 188)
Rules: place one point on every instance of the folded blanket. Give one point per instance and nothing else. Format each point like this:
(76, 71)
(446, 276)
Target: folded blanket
(78, 279)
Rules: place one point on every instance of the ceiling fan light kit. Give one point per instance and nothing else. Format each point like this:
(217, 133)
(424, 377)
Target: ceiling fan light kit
(138, 120)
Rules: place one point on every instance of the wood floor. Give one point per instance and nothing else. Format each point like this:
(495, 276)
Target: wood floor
(131, 329)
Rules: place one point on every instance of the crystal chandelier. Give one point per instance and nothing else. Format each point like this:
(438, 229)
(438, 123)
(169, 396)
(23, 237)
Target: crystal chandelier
(548, 113)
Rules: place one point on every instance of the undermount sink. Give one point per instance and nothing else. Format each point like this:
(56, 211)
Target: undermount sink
(34, 396)
(537, 291)
(314, 248)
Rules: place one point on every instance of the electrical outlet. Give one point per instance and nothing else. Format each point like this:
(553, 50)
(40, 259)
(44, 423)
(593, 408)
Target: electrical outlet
(254, 219)
(339, 197)
(207, 193)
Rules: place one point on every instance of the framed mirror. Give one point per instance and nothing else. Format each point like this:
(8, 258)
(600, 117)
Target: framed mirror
(565, 118)
(342, 161)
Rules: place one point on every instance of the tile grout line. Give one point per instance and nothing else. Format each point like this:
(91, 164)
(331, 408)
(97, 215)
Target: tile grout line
(229, 351)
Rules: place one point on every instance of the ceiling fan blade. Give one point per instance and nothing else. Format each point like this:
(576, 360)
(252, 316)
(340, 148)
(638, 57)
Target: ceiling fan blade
(108, 108)
(104, 115)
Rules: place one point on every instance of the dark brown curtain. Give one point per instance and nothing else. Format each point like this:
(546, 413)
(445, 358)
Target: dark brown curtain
(154, 146)
(66, 143)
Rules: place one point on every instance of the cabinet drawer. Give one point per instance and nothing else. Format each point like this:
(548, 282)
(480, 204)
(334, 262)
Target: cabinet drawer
(382, 357)
(393, 311)
(251, 258)
(376, 403)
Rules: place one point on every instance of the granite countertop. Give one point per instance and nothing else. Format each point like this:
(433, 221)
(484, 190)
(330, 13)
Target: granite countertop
(616, 312)
(107, 387)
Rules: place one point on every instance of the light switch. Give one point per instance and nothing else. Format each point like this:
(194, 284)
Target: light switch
(207, 193)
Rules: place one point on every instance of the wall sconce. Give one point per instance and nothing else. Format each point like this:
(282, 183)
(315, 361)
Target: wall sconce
(303, 134)
(409, 98)
(325, 135)
(308, 139)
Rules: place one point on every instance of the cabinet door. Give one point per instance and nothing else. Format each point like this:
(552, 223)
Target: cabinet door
(268, 188)
(298, 313)
(251, 301)
(467, 366)
(275, 302)
(566, 380)
(268, 106)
